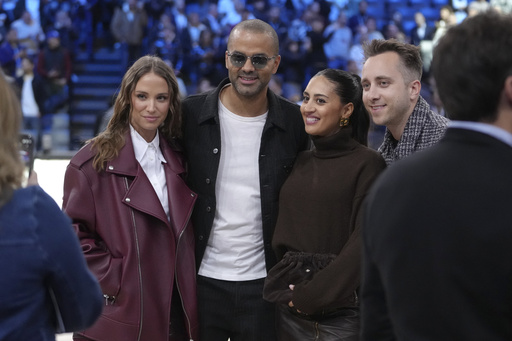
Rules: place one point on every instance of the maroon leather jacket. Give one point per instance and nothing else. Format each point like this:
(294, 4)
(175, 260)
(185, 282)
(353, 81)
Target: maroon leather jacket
(129, 244)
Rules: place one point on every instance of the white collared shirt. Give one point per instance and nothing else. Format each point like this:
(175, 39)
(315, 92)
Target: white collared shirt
(151, 159)
(489, 129)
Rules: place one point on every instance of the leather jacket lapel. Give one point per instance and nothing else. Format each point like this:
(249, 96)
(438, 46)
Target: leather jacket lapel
(140, 194)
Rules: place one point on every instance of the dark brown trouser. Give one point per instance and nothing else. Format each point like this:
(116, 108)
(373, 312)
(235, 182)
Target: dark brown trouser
(342, 327)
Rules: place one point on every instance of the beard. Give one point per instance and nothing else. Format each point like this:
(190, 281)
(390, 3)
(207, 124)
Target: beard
(248, 91)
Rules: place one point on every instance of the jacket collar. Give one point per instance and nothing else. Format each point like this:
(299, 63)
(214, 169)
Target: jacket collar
(276, 114)
(137, 195)
(412, 130)
(126, 164)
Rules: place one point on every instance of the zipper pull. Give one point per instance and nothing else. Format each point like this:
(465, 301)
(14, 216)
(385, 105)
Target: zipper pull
(108, 299)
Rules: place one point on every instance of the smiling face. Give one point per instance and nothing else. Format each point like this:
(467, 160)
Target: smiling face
(150, 102)
(248, 81)
(322, 108)
(386, 96)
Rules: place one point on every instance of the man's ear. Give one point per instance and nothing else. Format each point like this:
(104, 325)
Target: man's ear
(415, 88)
(504, 117)
(277, 61)
(507, 90)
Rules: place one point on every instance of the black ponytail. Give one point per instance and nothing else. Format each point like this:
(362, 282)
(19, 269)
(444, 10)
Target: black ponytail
(348, 87)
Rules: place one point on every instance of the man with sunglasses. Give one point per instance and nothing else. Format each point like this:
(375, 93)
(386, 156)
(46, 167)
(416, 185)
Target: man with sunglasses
(241, 141)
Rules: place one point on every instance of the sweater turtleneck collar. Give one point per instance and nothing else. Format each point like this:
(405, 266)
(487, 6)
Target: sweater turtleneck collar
(334, 145)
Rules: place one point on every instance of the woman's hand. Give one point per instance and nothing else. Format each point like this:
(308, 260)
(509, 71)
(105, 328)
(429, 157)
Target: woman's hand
(32, 179)
(290, 304)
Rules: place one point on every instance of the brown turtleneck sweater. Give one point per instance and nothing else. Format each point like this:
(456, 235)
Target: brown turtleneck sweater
(320, 212)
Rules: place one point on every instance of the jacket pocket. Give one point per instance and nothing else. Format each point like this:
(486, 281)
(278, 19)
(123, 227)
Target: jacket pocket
(110, 282)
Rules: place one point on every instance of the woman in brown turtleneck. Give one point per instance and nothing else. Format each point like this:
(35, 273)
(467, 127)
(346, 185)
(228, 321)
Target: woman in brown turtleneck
(317, 235)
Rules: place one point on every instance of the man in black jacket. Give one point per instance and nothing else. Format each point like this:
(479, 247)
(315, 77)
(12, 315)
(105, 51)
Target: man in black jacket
(241, 141)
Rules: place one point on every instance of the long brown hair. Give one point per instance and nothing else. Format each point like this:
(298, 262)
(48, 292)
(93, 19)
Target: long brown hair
(11, 166)
(108, 143)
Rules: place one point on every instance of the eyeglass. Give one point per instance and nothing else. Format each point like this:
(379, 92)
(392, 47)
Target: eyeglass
(259, 62)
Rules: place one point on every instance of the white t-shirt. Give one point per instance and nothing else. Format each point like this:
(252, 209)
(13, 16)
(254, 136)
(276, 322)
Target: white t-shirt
(235, 248)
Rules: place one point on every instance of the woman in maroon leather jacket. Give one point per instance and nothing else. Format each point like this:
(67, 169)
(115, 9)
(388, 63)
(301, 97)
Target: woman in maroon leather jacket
(131, 210)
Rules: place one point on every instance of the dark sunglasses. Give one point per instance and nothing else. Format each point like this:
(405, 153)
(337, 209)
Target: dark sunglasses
(239, 59)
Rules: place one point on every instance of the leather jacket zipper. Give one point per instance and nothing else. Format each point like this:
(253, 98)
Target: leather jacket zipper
(109, 299)
(139, 267)
(177, 282)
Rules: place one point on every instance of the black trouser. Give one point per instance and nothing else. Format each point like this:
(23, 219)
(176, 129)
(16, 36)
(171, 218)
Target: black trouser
(177, 329)
(234, 310)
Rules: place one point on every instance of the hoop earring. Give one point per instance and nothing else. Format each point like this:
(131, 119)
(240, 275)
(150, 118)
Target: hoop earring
(343, 122)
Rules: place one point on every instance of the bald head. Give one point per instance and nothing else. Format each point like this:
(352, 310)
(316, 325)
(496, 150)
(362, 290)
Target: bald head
(258, 27)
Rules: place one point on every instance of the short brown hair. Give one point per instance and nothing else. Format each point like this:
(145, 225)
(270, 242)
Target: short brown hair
(409, 55)
(471, 64)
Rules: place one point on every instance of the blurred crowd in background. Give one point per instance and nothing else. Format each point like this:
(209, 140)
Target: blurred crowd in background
(39, 39)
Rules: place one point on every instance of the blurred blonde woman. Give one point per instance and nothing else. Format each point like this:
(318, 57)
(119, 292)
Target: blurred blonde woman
(43, 269)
